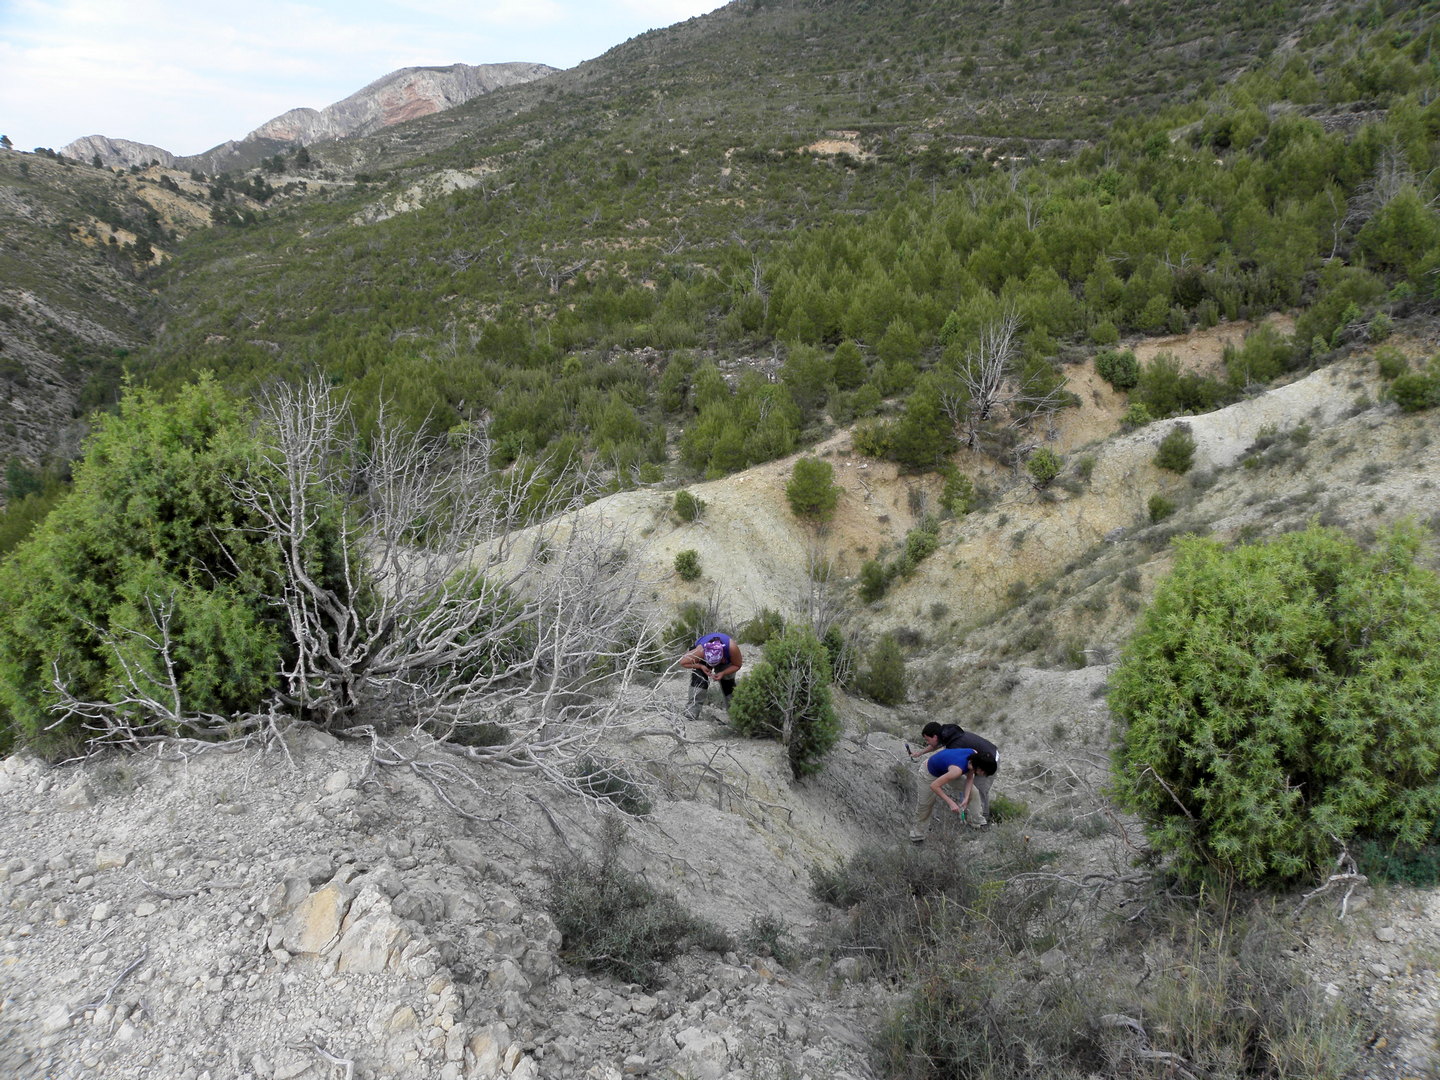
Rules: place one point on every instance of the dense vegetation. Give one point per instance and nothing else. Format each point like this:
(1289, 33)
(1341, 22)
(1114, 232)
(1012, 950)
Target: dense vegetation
(149, 588)
(691, 255)
(1278, 705)
(639, 220)
(1005, 975)
(787, 697)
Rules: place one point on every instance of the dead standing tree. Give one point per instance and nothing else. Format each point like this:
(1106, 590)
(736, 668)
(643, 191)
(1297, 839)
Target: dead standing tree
(991, 385)
(472, 598)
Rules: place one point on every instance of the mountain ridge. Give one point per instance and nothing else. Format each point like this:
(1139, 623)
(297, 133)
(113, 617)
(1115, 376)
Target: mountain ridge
(403, 94)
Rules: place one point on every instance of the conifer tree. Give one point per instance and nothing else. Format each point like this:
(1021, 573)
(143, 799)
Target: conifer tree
(1278, 703)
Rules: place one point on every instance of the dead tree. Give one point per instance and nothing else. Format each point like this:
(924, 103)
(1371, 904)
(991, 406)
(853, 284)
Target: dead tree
(992, 387)
(472, 599)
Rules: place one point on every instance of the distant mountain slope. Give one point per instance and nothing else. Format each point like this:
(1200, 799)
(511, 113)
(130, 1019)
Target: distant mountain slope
(121, 152)
(402, 95)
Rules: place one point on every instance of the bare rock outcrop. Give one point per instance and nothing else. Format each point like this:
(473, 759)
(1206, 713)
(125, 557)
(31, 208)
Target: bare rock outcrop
(406, 94)
(121, 152)
(402, 95)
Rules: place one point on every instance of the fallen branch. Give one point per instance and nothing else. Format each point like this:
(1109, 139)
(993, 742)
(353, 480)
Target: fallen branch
(1346, 874)
(105, 998)
(344, 1063)
(1175, 1064)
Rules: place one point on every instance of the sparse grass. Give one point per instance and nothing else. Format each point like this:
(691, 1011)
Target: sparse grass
(614, 922)
(1222, 997)
(769, 935)
(1003, 809)
(613, 783)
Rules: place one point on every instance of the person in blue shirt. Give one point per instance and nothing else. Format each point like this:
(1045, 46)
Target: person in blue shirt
(947, 766)
(939, 737)
(954, 753)
(713, 658)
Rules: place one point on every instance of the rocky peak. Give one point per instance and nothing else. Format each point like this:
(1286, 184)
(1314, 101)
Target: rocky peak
(121, 152)
(402, 95)
(399, 96)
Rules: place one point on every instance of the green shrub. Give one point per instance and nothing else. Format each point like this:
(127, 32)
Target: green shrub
(1417, 865)
(614, 922)
(920, 544)
(1119, 368)
(1136, 416)
(688, 507)
(1043, 465)
(812, 492)
(764, 626)
(1177, 450)
(149, 543)
(841, 651)
(1280, 698)
(1262, 356)
(1416, 391)
(1104, 333)
(687, 564)
(883, 680)
(612, 782)
(787, 697)
(1167, 391)
(1004, 808)
(691, 621)
(1391, 362)
(874, 580)
(476, 733)
(1160, 508)
(958, 496)
(22, 515)
(872, 439)
(768, 935)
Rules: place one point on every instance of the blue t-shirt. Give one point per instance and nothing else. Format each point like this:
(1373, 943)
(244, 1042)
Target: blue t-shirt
(940, 761)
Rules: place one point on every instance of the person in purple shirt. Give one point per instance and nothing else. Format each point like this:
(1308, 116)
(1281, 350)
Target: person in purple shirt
(714, 658)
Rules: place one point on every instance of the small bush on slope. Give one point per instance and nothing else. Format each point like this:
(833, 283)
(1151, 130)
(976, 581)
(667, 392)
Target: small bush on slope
(613, 921)
(787, 697)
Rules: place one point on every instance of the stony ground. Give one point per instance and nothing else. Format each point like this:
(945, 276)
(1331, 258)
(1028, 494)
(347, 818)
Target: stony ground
(280, 913)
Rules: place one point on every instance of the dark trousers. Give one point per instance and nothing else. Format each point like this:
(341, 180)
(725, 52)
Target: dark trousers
(700, 680)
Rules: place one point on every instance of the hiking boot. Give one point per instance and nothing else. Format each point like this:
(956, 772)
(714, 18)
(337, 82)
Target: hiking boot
(979, 821)
(692, 706)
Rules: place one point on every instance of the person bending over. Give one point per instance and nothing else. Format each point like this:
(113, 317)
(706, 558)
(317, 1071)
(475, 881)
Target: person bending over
(715, 658)
(938, 737)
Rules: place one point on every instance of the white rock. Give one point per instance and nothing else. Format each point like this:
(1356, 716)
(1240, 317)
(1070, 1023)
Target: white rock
(57, 1018)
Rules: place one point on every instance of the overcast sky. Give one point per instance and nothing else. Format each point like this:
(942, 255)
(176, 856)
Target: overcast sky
(185, 75)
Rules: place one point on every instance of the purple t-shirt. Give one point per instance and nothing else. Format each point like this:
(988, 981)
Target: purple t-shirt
(940, 761)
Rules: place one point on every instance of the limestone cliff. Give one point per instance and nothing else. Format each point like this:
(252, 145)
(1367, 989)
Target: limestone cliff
(402, 95)
(121, 152)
